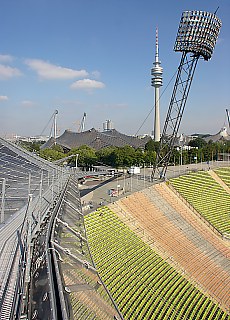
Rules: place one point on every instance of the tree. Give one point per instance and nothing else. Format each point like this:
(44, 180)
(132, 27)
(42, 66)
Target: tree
(86, 156)
(139, 157)
(104, 155)
(58, 148)
(51, 155)
(150, 157)
(152, 145)
(197, 142)
(31, 146)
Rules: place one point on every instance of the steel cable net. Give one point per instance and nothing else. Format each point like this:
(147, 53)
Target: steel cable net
(197, 33)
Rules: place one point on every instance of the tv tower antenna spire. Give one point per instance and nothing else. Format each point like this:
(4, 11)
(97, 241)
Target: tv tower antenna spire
(156, 82)
(196, 38)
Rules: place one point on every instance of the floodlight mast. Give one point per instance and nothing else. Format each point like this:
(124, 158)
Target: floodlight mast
(82, 125)
(55, 125)
(196, 38)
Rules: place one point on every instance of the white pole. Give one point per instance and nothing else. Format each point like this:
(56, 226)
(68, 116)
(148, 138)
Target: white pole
(76, 160)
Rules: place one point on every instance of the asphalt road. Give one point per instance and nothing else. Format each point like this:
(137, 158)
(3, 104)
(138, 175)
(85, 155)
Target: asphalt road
(96, 193)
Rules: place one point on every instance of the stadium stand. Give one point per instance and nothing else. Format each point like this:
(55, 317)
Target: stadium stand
(150, 255)
(88, 297)
(144, 285)
(207, 197)
(22, 176)
(179, 241)
(39, 185)
(29, 185)
(224, 174)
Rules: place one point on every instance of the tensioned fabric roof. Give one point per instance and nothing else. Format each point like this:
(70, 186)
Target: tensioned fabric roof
(222, 135)
(96, 139)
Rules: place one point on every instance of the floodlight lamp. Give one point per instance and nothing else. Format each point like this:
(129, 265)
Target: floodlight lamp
(197, 33)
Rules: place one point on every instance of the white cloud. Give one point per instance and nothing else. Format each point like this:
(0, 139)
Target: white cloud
(5, 58)
(3, 98)
(28, 103)
(7, 72)
(87, 84)
(47, 70)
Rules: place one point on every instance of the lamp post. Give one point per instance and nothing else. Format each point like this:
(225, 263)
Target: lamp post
(179, 149)
(123, 180)
(77, 155)
(195, 158)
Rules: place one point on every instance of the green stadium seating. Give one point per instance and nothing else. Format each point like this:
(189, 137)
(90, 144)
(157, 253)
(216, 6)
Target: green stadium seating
(143, 285)
(207, 197)
(224, 174)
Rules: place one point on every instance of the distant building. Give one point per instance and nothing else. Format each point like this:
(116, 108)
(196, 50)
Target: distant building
(108, 125)
(183, 140)
(14, 138)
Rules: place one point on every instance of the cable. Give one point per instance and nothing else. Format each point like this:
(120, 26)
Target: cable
(155, 105)
(47, 124)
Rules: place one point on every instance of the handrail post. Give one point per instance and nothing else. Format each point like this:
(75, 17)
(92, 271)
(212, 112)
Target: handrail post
(3, 200)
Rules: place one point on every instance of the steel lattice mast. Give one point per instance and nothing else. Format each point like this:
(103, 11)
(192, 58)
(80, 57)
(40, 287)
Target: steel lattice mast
(196, 38)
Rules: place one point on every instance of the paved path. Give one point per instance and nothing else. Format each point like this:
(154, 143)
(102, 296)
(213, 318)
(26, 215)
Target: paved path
(95, 193)
(217, 178)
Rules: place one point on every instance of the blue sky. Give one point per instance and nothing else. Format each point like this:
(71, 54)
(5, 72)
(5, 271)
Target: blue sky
(95, 56)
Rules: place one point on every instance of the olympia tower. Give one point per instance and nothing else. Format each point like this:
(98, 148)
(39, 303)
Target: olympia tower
(156, 82)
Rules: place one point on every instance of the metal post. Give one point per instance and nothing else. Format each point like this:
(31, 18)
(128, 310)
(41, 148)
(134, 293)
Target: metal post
(40, 199)
(124, 180)
(76, 161)
(29, 183)
(29, 233)
(57, 181)
(52, 187)
(48, 178)
(3, 199)
(144, 174)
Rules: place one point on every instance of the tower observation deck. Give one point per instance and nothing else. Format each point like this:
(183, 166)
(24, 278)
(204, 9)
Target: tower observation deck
(156, 82)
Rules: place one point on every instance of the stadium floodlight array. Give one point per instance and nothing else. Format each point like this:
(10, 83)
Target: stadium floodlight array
(196, 38)
(197, 33)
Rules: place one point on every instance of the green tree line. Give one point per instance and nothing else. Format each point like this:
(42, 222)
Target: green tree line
(199, 151)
